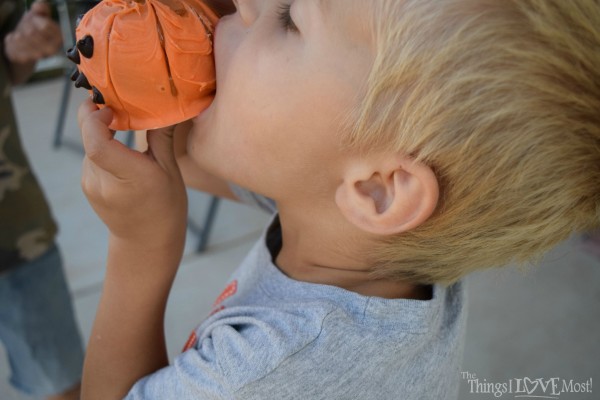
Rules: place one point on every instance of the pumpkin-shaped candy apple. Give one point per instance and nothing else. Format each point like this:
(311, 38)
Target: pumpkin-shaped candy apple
(150, 61)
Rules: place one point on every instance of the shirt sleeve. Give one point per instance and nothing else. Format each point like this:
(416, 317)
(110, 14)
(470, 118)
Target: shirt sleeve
(236, 346)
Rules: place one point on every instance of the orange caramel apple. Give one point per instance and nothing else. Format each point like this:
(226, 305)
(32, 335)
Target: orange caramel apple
(150, 61)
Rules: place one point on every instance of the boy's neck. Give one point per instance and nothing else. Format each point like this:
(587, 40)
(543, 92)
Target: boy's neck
(317, 252)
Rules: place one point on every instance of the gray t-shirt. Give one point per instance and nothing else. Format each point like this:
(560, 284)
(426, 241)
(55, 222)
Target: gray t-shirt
(272, 337)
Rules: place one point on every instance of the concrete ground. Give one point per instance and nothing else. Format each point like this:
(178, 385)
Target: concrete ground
(525, 326)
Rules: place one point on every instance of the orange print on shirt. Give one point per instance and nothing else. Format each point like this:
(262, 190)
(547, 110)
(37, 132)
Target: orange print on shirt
(190, 342)
(229, 291)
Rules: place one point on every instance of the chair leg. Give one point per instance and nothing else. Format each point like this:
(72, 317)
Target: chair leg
(209, 219)
(62, 113)
(68, 40)
(130, 139)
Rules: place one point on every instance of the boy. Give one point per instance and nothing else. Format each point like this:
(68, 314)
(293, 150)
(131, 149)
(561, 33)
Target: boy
(404, 143)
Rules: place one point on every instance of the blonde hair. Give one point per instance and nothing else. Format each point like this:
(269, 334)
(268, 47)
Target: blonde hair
(502, 100)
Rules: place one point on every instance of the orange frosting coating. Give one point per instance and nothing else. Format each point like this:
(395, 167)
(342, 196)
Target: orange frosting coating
(152, 60)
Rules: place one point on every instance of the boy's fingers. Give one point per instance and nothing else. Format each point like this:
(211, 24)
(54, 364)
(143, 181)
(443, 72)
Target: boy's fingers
(99, 143)
(86, 108)
(89, 179)
(160, 145)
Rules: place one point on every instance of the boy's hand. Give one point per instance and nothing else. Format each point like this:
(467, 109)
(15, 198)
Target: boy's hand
(36, 36)
(142, 200)
(139, 196)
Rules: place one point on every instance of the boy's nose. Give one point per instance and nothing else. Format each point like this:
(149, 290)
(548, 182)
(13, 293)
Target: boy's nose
(248, 10)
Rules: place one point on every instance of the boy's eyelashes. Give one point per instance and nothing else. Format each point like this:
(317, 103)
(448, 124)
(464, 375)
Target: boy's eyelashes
(285, 18)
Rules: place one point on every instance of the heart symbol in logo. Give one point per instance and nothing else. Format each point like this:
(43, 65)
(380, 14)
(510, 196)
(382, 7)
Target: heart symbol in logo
(530, 385)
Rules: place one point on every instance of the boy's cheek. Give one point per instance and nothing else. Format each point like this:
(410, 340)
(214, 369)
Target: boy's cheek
(225, 44)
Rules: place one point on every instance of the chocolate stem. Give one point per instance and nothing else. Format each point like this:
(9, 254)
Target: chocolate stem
(81, 81)
(86, 46)
(97, 96)
(73, 55)
(74, 74)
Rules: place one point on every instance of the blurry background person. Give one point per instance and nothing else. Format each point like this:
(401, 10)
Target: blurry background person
(37, 324)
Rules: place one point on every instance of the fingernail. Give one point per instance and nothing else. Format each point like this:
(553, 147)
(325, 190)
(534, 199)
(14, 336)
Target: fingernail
(86, 46)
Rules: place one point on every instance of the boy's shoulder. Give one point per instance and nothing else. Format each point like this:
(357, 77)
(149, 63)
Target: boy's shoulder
(328, 328)
(340, 344)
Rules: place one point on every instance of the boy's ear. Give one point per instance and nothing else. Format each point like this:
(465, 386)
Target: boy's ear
(387, 194)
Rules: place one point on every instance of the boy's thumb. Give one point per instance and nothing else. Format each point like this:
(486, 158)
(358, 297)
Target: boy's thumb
(160, 145)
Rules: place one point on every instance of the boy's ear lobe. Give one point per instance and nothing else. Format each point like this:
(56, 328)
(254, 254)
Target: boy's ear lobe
(388, 195)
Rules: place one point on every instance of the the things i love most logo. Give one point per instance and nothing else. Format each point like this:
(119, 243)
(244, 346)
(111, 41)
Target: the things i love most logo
(526, 387)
